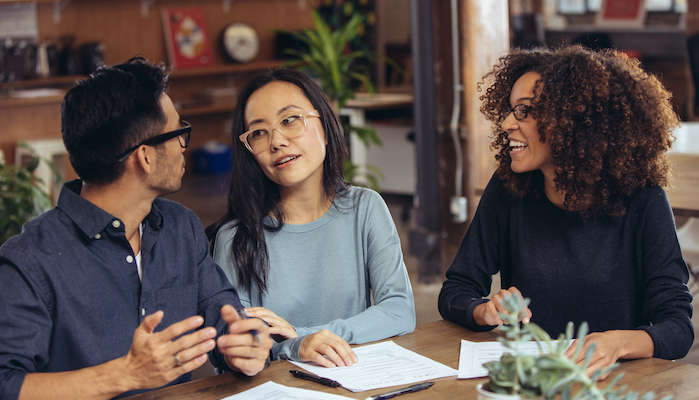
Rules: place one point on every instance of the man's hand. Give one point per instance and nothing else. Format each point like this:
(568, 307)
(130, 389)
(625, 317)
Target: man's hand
(155, 359)
(277, 325)
(487, 313)
(327, 349)
(239, 347)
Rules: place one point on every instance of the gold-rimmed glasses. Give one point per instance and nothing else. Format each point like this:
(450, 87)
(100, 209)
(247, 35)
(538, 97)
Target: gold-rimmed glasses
(292, 125)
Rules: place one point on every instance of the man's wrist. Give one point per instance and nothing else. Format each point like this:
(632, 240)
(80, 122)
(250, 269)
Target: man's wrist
(117, 372)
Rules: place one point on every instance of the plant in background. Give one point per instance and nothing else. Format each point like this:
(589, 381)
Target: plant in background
(338, 69)
(551, 373)
(329, 59)
(21, 199)
(367, 173)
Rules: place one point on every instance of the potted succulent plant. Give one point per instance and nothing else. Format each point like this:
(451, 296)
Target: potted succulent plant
(517, 375)
(21, 198)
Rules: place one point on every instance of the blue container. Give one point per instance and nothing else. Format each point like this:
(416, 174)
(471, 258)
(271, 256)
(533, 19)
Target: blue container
(212, 158)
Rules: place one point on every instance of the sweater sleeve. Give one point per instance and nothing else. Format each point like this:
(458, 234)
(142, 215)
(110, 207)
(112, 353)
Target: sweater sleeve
(667, 302)
(288, 349)
(393, 309)
(471, 273)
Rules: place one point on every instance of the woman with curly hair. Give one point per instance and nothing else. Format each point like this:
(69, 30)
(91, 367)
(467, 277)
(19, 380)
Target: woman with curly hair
(575, 217)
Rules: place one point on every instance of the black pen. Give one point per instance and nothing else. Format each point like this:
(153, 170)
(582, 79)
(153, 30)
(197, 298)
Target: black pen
(394, 393)
(314, 378)
(253, 332)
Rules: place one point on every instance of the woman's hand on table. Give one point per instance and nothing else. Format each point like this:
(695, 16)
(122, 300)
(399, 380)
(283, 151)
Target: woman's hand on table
(487, 313)
(327, 349)
(610, 346)
(277, 325)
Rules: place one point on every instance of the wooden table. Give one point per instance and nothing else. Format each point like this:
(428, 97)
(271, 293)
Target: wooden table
(440, 341)
(684, 157)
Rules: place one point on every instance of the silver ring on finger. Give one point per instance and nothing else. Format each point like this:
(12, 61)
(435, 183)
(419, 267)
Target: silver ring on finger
(178, 362)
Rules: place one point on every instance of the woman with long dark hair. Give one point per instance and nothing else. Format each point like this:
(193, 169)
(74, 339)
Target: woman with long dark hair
(575, 217)
(305, 249)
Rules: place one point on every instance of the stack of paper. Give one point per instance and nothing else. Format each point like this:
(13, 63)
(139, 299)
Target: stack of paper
(474, 354)
(275, 391)
(382, 365)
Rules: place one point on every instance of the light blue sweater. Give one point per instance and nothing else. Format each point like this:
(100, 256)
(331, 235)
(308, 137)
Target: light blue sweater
(322, 274)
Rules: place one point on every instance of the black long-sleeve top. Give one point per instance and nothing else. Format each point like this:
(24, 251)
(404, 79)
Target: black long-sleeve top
(622, 272)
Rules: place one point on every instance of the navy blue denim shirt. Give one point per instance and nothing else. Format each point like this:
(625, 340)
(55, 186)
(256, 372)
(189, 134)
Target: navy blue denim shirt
(71, 296)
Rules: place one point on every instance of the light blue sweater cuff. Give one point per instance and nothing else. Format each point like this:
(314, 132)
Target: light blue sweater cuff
(287, 349)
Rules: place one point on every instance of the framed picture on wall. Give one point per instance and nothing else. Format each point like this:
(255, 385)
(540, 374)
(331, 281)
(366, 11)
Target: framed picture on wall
(187, 37)
(621, 14)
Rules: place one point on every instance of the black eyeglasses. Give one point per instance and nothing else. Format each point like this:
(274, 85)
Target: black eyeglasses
(184, 132)
(520, 111)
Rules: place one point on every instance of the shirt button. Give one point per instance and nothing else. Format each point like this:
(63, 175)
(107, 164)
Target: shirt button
(116, 223)
(98, 236)
(143, 312)
(129, 259)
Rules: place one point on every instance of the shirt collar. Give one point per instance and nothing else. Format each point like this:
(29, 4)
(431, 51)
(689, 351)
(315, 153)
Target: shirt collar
(90, 218)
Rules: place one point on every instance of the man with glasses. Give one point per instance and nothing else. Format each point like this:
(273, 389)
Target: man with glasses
(113, 291)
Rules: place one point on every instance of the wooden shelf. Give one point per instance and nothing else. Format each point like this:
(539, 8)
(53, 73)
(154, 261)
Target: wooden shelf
(9, 102)
(226, 69)
(212, 70)
(67, 80)
(206, 110)
(70, 80)
(667, 43)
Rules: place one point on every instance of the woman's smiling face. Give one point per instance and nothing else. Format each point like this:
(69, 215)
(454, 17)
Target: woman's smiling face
(527, 151)
(287, 162)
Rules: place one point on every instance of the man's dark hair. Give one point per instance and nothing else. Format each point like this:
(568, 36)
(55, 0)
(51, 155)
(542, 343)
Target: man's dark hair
(112, 110)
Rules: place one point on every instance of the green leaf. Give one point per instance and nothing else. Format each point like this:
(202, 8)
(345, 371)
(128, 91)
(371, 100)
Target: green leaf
(539, 334)
(21, 199)
(33, 163)
(366, 134)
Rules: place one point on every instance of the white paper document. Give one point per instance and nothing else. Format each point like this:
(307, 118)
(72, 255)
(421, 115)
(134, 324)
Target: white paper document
(474, 354)
(275, 391)
(382, 365)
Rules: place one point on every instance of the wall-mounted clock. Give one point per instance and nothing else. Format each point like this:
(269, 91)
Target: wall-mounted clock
(241, 42)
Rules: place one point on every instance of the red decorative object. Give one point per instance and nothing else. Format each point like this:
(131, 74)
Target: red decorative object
(187, 37)
(622, 14)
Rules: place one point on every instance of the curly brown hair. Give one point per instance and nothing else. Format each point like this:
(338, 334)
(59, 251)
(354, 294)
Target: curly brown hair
(608, 121)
